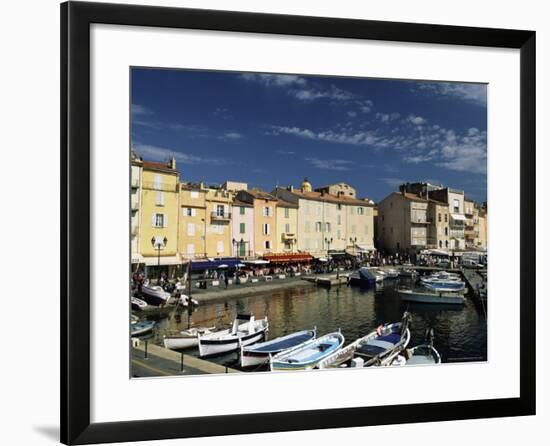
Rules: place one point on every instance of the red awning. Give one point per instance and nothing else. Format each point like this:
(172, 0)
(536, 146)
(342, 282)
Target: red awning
(288, 258)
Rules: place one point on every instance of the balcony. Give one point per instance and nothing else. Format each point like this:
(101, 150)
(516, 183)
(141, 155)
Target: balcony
(288, 236)
(427, 221)
(217, 216)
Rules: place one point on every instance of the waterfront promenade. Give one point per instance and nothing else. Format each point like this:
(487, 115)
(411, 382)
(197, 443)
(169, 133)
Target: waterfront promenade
(159, 361)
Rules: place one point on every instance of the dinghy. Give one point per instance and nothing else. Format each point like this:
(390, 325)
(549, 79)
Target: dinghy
(258, 354)
(373, 348)
(424, 354)
(432, 297)
(391, 274)
(187, 338)
(306, 356)
(245, 331)
(141, 328)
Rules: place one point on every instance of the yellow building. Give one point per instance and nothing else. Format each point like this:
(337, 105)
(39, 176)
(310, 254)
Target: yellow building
(192, 221)
(265, 221)
(286, 227)
(135, 211)
(159, 216)
(218, 217)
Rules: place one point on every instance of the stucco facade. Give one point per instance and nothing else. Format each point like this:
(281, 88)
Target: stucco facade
(265, 221)
(330, 223)
(403, 223)
(286, 227)
(192, 222)
(159, 213)
(135, 210)
(242, 225)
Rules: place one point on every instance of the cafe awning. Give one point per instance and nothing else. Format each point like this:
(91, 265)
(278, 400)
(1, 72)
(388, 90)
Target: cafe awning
(201, 265)
(364, 248)
(288, 258)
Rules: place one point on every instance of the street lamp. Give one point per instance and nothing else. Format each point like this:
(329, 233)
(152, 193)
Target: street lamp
(328, 241)
(158, 245)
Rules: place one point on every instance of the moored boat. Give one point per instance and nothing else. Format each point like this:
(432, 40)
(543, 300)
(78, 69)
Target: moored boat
(245, 331)
(138, 304)
(154, 295)
(431, 297)
(260, 353)
(372, 349)
(391, 274)
(141, 328)
(424, 354)
(441, 285)
(187, 338)
(363, 277)
(306, 356)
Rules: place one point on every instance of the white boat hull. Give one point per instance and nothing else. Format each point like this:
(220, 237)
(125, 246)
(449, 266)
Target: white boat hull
(432, 298)
(181, 343)
(217, 347)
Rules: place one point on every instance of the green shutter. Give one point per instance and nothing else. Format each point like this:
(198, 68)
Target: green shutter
(242, 227)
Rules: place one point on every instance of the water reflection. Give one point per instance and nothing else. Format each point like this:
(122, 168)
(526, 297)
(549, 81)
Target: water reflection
(460, 331)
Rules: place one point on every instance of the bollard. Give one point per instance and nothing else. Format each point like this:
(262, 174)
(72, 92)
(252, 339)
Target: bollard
(181, 362)
(225, 369)
(146, 344)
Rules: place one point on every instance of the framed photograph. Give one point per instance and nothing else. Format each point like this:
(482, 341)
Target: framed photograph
(275, 223)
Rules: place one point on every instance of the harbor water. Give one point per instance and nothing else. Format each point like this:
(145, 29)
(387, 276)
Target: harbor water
(460, 330)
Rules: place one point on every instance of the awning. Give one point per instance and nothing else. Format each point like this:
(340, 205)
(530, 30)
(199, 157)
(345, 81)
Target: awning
(256, 262)
(201, 265)
(136, 258)
(365, 248)
(288, 258)
(435, 252)
(458, 217)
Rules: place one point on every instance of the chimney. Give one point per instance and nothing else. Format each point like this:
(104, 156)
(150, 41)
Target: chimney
(172, 163)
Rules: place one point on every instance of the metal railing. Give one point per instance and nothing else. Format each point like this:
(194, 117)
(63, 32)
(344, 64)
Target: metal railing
(220, 216)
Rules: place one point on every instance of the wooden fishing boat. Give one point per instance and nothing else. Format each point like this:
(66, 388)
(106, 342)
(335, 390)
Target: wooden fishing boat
(245, 331)
(306, 356)
(260, 353)
(373, 348)
(187, 338)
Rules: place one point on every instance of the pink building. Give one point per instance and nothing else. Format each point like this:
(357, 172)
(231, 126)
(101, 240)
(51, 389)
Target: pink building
(242, 229)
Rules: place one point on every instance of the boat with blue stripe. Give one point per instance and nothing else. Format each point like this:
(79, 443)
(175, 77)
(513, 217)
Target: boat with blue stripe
(372, 349)
(258, 354)
(306, 356)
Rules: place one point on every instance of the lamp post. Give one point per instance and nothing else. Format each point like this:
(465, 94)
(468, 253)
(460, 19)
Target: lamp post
(158, 245)
(204, 236)
(328, 241)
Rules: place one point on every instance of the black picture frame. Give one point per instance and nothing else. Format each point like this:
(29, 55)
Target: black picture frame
(76, 18)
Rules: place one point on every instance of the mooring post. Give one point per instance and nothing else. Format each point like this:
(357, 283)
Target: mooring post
(146, 344)
(181, 362)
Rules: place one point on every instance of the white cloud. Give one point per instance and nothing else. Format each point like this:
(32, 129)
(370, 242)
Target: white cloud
(331, 164)
(141, 110)
(156, 153)
(275, 80)
(387, 117)
(471, 93)
(352, 114)
(311, 94)
(231, 135)
(416, 120)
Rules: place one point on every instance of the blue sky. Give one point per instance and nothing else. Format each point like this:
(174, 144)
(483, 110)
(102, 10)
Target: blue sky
(270, 129)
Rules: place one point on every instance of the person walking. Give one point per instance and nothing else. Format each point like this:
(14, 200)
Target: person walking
(226, 280)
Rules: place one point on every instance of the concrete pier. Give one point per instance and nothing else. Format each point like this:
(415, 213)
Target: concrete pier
(160, 361)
